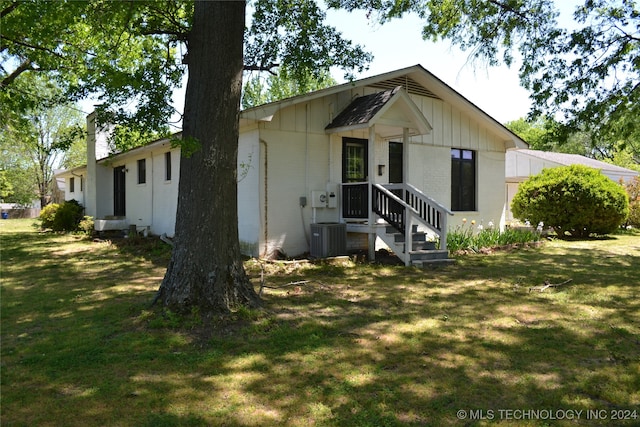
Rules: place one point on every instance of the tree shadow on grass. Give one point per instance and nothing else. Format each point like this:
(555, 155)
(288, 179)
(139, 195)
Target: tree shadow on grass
(356, 345)
(485, 346)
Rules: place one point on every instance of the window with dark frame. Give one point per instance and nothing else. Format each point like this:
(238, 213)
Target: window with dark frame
(354, 160)
(142, 171)
(167, 166)
(463, 180)
(72, 185)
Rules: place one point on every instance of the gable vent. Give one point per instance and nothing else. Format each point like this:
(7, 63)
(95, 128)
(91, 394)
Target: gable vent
(407, 83)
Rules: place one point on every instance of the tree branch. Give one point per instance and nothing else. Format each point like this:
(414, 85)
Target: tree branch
(268, 67)
(30, 46)
(509, 9)
(179, 35)
(7, 10)
(26, 65)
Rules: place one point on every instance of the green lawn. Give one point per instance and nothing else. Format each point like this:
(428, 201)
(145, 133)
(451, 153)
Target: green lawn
(353, 345)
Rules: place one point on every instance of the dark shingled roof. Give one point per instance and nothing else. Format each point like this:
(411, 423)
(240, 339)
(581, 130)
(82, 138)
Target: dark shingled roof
(362, 109)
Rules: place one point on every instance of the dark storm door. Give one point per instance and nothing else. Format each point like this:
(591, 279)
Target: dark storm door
(355, 188)
(119, 175)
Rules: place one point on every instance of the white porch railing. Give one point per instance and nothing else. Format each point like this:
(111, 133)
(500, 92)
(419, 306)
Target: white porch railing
(403, 206)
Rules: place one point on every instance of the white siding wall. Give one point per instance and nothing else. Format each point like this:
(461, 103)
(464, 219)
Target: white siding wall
(165, 192)
(303, 158)
(79, 187)
(250, 192)
(139, 197)
(298, 163)
(104, 190)
(491, 189)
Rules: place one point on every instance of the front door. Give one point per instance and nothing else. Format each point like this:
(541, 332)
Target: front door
(119, 175)
(355, 187)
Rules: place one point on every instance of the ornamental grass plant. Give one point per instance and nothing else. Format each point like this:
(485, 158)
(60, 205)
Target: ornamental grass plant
(472, 237)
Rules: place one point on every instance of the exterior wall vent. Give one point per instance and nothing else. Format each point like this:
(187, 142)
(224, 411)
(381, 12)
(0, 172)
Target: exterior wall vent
(328, 239)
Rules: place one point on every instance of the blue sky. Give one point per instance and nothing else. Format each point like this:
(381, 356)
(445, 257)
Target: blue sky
(398, 44)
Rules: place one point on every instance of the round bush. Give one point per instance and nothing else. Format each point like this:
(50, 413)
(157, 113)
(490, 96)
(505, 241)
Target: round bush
(572, 199)
(68, 216)
(48, 214)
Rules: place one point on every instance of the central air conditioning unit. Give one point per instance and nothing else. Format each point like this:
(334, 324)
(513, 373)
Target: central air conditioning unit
(328, 239)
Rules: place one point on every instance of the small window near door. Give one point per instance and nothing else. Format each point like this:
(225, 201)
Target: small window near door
(142, 171)
(167, 166)
(72, 185)
(81, 184)
(395, 162)
(463, 180)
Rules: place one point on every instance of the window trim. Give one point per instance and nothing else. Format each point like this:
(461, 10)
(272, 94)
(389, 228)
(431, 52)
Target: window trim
(142, 171)
(361, 144)
(458, 204)
(167, 166)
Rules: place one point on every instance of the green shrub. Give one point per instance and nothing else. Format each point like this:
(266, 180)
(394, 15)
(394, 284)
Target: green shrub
(572, 199)
(87, 225)
(633, 190)
(68, 216)
(48, 215)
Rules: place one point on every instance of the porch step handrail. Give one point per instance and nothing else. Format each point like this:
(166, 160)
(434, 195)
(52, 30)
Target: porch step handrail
(391, 208)
(428, 199)
(412, 207)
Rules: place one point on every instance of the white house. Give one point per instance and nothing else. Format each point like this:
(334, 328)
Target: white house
(523, 163)
(401, 148)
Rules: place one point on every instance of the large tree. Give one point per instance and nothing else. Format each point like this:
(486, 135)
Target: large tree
(137, 51)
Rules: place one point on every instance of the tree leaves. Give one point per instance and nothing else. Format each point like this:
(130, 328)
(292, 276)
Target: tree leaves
(587, 76)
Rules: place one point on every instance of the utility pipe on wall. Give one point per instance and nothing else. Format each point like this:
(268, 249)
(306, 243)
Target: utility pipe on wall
(266, 197)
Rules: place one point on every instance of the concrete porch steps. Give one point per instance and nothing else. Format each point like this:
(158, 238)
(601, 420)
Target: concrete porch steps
(422, 254)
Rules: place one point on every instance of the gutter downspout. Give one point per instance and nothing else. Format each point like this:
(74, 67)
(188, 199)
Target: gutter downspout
(147, 229)
(266, 196)
(306, 174)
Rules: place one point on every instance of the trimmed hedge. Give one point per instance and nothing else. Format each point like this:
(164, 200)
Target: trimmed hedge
(575, 199)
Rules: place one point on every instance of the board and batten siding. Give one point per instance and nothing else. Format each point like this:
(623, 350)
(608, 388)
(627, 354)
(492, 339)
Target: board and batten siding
(297, 156)
(298, 163)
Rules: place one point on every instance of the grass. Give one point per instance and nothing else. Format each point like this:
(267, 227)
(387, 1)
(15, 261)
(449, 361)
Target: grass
(352, 344)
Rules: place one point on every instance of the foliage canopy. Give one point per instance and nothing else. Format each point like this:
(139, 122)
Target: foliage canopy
(130, 56)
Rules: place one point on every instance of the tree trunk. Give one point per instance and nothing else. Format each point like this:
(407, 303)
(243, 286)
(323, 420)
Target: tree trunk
(206, 269)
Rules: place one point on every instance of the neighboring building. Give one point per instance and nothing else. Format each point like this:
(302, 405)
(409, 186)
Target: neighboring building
(337, 155)
(523, 163)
